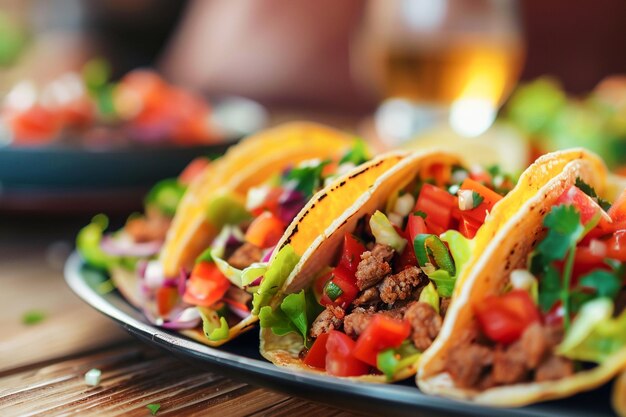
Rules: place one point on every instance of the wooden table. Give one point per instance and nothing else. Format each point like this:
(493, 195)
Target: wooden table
(42, 365)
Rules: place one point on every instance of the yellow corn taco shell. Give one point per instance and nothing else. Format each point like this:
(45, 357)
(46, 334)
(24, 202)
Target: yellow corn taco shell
(506, 241)
(245, 165)
(285, 350)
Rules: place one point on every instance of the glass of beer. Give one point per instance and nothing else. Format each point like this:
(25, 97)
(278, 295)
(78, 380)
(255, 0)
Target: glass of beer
(434, 61)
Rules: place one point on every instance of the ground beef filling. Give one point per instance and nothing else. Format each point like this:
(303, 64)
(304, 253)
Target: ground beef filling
(382, 292)
(531, 358)
(245, 255)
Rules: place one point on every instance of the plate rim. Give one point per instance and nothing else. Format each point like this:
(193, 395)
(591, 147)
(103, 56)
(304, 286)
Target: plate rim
(393, 394)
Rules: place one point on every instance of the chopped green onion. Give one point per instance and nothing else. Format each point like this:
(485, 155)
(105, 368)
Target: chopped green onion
(333, 291)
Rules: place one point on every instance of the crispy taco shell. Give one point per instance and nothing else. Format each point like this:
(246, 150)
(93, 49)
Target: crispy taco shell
(505, 242)
(245, 165)
(285, 350)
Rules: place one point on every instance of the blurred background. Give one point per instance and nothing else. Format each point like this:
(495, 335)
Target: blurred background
(100, 99)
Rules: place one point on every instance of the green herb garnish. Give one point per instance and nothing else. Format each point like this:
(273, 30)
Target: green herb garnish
(565, 230)
(476, 199)
(591, 192)
(154, 408)
(33, 317)
(333, 291)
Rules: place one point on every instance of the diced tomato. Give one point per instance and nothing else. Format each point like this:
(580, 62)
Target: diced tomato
(320, 283)
(346, 283)
(351, 253)
(33, 126)
(480, 176)
(271, 202)
(166, 298)
(439, 172)
(316, 356)
(504, 318)
(437, 204)
(382, 333)
(415, 226)
(206, 285)
(617, 212)
(265, 231)
(616, 246)
(585, 261)
(585, 206)
(339, 358)
(490, 198)
(194, 169)
(468, 227)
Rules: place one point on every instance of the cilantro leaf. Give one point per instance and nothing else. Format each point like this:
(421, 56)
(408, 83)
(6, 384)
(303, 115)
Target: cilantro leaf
(564, 230)
(357, 154)
(33, 317)
(476, 199)
(420, 213)
(154, 408)
(591, 192)
(307, 178)
(603, 282)
(549, 288)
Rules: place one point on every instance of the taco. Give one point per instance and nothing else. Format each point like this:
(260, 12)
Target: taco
(540, 317)
(227, 224)
(369, 297)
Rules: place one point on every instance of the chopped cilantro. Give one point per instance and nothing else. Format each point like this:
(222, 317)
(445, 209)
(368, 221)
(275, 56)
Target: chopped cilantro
(357, 154)
(565, 230)
(476, 199)
(591, 192)
(33, 317)
(420, 213)
(154, 408)
(307, 178)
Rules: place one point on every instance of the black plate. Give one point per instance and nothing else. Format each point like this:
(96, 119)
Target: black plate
(240, 359)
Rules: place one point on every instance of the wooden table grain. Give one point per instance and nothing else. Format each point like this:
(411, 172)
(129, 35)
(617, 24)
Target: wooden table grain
(42, 365)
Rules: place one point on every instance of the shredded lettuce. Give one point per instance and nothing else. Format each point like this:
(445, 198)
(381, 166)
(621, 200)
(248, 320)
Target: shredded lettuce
(594, 335)
(215, 328)
(461, 251)
(295, 314)
(357, 154)
(384, 232)
(88, 244)
(275, 276)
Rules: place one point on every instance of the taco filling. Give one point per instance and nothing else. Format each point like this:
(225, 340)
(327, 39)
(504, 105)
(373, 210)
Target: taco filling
(382, 302)
(219, 288)
(560, 315)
